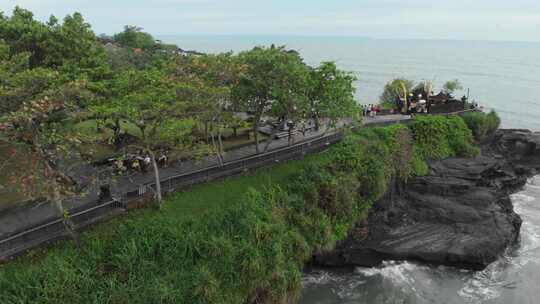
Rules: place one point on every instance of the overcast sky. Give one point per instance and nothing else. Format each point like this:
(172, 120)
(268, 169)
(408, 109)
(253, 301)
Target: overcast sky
(449, 19)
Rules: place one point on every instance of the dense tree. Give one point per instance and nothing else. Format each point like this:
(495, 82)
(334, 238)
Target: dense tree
(289, 94)
(70, 45)
(37, 57)
(331, 94)
(108, 114)
(451, 86)
(134, 37)
(56, 76)
(274, 83)
(18, 83)
(39, 127)
(150, 103)
(125, 58)
(396, 88)
(207, 82)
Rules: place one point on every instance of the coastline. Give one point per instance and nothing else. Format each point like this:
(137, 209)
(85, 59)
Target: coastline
(460, 214)
(507, 280)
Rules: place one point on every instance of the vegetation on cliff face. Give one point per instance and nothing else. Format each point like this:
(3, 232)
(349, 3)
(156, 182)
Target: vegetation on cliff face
(482, 124)
(442, 137)
(248, 248)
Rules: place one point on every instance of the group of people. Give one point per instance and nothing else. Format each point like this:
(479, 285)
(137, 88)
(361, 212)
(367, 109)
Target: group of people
(138, 163)
(418, 106)
(371, 110)
(412, 105)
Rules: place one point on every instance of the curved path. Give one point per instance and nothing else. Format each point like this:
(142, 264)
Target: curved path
(30, 225)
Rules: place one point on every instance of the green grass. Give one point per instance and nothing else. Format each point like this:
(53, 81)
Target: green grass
(199, 199)
(204, 197)
(198, 204)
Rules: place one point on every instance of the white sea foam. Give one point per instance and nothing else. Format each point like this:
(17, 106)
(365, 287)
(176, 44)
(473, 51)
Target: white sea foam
(489, 284)
(533, 186)
(400, 274)
(521, 197)
(320, 278)
(485, 285)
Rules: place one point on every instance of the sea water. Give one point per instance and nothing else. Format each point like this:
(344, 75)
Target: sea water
(504, 76)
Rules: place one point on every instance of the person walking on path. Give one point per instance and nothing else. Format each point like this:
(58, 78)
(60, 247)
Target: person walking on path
(162, 160)
(136, 165)
(146, 162)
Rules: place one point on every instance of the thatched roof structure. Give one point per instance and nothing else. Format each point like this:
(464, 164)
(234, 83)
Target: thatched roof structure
(440, 98)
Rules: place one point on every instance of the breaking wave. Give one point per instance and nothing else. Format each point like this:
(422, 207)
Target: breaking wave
(511, 279)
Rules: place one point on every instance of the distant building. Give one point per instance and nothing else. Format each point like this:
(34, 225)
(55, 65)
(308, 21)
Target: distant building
(440, 98)
(183, 52)
(445, 103)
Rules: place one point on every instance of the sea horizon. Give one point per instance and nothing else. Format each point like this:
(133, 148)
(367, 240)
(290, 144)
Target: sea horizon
(366, 37)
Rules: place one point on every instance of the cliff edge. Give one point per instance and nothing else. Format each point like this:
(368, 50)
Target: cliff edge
(460, 214)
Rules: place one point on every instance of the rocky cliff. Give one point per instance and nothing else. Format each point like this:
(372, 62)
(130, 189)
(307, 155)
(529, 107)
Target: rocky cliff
(459, 215)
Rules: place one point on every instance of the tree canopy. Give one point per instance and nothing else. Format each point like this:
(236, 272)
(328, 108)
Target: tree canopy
(331, 93)
(134, 37)
(396, 88)
(159, 98)
(452, 86)
(69, 45)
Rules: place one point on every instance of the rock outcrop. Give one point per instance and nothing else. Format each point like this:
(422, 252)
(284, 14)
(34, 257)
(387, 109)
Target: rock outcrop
(459, 215)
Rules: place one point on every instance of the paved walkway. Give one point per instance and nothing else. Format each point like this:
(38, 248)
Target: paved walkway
(131, 183)
(16, 219)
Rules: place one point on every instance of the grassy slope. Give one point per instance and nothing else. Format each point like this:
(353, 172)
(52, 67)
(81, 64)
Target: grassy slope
(205, 197)
(198, 200)
(194, 204)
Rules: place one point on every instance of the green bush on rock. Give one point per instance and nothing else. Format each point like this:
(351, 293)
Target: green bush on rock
(441, 137)
(482, 124)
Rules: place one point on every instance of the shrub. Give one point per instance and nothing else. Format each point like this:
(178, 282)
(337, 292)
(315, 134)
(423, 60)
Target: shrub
(482, 124)
(440, 137)
(460, 137)
(430, 136)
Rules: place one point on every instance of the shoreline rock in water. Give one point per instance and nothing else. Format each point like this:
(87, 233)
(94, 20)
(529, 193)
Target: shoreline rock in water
(459, 215)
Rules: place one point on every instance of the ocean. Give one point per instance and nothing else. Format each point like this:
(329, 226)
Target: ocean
(504, 76)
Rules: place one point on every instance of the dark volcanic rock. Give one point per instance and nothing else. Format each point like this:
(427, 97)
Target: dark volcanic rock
(459, 215)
